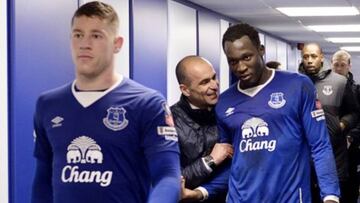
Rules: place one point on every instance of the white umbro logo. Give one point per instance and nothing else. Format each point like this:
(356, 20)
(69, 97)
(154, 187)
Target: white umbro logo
(57, 121)
(229, 111)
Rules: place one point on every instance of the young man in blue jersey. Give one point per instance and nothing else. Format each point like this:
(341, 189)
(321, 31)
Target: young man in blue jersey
(103, 138)
(275, 125)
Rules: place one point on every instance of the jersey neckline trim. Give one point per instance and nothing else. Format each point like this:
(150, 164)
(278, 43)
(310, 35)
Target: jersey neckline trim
(86, 99)
(253, 91)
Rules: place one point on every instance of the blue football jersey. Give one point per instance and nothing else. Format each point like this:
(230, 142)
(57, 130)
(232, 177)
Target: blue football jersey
(275, 128)
(98, 144)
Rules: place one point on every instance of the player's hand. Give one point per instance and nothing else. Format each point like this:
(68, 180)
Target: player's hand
(221, 151)
(188, 195)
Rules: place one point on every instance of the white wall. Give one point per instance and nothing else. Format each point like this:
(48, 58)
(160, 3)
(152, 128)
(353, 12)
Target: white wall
(270, 48)
(224, 66)
(4, 195)
(281, 53)
(181, 42)
(355, 69)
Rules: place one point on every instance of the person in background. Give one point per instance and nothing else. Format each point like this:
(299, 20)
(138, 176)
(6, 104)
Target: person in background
(341, 64)
(194, 115)
(103, 138)
(340, 107)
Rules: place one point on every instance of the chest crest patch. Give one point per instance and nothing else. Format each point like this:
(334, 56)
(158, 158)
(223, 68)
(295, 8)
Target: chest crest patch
(277, 100)
(115, 119)
(327, 90)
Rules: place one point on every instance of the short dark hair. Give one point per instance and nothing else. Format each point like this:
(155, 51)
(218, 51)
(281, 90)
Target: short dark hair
(237, 31)
(100, 10)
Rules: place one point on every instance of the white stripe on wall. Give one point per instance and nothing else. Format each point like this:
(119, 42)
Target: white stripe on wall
(224, 66)
(4, 176)
(181, 42)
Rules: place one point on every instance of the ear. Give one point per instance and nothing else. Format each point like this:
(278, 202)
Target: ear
(184, 90)
(262, 50)
(118, 42)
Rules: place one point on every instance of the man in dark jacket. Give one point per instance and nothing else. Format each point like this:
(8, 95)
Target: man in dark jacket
(341, 64)
(201, 156)
(340, 107)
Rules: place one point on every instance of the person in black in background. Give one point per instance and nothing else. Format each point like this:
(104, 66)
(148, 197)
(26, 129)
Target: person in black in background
(340, 107)
(341, 64)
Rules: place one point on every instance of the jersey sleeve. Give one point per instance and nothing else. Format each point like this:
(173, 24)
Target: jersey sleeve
(317, 136)
(157, 126)
(218, 184)
(159, 139)
(224, 132)
(165, 175)
(42, 148)
(42, 186)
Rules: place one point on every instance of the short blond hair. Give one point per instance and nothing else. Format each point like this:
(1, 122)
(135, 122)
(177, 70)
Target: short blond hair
(342, 54)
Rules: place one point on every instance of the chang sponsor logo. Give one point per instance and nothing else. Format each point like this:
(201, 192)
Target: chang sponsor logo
(84, 150)
(253, 133)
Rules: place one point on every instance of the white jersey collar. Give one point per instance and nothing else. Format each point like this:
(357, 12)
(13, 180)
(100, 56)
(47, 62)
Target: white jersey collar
(251, 92)
(89, 97)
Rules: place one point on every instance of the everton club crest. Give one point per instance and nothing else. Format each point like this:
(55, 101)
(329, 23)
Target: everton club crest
(277, 100)
(115, 118)
(327, 90)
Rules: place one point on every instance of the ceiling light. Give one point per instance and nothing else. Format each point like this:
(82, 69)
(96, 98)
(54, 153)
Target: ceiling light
(344, 39)
(335, 28)
(319, 11)
(351, 49)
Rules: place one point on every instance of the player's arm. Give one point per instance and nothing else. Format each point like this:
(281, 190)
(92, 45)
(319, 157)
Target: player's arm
(159, 140)
(316, 133)
(42, 187)
(165, 175)
(42, 191)
(218, 184)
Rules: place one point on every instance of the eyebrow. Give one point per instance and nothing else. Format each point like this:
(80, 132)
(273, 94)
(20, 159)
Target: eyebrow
(93, 31)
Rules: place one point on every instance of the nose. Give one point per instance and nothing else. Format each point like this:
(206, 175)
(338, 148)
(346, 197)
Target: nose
(241, 67)
(85, 43)
(310, 60)
(214, 84)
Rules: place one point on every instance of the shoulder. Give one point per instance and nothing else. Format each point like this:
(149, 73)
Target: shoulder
(295, 80)
(229, 92)
(176, 110)
(292, 77)
(55, 94)
(134, 88)
(140, 94)
(337, 78)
